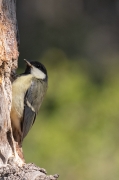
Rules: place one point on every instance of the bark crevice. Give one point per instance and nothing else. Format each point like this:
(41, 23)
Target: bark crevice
(10, 140)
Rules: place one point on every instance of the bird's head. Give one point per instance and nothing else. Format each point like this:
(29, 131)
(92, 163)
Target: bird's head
(37, 69)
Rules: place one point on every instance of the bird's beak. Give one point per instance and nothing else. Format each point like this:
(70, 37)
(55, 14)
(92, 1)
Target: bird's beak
(29, 64)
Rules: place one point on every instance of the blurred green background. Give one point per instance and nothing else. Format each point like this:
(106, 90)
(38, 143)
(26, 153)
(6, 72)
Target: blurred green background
(76, 133)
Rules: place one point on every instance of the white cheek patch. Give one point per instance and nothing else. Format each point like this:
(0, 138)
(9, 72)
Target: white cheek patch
(37, 73)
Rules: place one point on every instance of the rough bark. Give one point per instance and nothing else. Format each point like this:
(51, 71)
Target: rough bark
(26, 172)
(8, 62)
(11, 165)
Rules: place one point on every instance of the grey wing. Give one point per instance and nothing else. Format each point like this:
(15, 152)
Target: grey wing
(29, 118)
(32, 104)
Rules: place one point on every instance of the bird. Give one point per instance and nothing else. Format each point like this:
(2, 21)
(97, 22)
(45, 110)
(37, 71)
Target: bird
(28, 91)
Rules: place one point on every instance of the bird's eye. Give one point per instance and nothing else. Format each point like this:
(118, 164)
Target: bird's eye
(38, 66)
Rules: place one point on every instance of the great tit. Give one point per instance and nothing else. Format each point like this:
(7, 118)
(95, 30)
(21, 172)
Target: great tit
(28, 91)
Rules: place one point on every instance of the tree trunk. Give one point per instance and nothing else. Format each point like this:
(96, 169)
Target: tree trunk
(8, 62)
(11, 165)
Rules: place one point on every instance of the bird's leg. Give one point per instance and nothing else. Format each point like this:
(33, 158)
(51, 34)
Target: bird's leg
(20, 151)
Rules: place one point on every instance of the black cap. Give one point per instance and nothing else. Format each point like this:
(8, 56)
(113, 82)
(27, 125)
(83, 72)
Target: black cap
(36, 64)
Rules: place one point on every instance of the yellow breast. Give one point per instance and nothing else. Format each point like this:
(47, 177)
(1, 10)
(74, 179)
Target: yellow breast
(19, 88)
